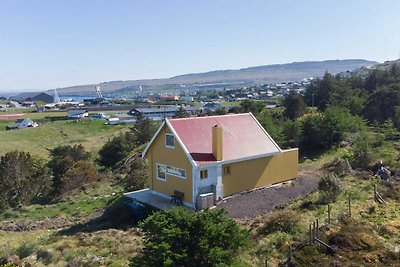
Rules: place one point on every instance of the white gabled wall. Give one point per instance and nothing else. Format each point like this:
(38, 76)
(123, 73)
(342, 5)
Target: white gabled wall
(214, 179)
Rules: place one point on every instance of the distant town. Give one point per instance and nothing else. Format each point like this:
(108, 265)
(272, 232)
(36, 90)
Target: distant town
(154, 106)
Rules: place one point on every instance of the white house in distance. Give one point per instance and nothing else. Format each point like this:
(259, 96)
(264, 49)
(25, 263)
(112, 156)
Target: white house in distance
(77, 113)
(23, 123)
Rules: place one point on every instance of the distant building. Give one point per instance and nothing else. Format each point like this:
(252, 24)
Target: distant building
(187, 98)
(211, 106)
(161, 112)
(169, 98)
(23, 123)
(77, 113)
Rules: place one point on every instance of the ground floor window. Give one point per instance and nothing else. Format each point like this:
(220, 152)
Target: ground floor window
(227, 170)
(203, 174)
(161, 172)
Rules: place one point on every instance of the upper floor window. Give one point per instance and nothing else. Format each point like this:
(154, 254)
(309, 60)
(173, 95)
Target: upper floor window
(169, 140)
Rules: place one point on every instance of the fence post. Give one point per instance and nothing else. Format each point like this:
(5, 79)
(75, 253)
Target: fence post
(266, 262)
(317, 228)
(314, 231)
(310, 234)
(349, 206)
(329, 213)
(374, 191)
(290, 256)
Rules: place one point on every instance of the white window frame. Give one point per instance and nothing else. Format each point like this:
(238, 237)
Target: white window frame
(165, 167)
(169, 134)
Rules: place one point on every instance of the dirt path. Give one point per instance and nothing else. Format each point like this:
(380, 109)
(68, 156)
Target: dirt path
(260, 201)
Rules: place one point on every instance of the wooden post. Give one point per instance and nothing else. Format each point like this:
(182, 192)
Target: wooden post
(310, 234)
(313, 231)
(317, 235)
(266, 262)
(349, 206)
(329, 213)
(289, 256)
(374, 191)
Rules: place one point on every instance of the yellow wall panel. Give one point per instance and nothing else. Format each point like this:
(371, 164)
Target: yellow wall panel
(250, 174)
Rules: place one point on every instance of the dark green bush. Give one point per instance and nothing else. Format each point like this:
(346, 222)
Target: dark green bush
(329, 188)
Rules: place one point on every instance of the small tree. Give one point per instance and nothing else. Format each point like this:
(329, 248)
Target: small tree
(116, 149)
(362, 151)
(83, 172)
(181, 113)
(63, 159)
(329, 188)
(294, 105)
(23, 179)
(143, 130)
(181, 238)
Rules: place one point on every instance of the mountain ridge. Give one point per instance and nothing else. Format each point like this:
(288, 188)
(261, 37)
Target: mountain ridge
(274, 73)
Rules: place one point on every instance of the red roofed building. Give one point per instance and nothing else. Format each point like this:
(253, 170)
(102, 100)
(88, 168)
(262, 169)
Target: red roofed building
(215, 157)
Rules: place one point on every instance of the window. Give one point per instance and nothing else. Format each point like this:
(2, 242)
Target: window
(161, 172)
(169, 140)
(227, 170)
(203, 174)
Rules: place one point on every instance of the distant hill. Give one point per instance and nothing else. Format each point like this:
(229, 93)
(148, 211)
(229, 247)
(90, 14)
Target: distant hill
(295, 71)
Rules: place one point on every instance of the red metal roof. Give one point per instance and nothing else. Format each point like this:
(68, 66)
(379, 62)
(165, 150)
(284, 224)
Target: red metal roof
(242, 137)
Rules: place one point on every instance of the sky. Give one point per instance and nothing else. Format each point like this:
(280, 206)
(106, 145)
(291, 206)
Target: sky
(47, 44)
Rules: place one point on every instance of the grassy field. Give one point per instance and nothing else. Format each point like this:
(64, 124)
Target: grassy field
(90, 133)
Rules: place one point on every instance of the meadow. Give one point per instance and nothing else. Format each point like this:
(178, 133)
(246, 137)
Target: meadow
(92, 134)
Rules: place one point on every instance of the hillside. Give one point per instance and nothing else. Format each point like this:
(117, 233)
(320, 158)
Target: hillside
(260, 74)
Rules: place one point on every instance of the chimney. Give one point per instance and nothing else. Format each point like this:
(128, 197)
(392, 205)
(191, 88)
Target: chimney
(217, 142)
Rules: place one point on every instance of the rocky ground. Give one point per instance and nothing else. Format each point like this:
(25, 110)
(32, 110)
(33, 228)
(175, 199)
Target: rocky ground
(259, 201)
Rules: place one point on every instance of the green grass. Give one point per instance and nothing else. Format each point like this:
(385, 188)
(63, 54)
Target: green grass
(92, 134)
(229, 104)
(73, 209)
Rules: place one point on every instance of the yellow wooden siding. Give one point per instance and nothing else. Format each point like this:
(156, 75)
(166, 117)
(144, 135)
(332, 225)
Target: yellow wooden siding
(174, 157)
(249, 174)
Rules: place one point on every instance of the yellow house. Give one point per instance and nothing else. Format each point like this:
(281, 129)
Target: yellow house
(214, 155)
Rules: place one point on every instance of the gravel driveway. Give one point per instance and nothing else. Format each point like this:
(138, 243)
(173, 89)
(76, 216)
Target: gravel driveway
(260, 201)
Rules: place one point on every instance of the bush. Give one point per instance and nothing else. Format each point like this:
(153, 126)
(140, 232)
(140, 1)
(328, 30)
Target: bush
(181, 238)
(329, 188)
(23, 179)
(280, 220)
(81, 173)
(25, 250)
(45, 256)
(137, 177)
(116, 149)
(362, 152)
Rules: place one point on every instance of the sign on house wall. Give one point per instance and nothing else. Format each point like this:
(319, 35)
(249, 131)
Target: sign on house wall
(176, 171)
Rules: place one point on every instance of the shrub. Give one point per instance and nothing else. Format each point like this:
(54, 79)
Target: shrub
(329, 188)
(181, 238)
(362, 152)
(81, 173)
(23, 179)
(280, 220)
(137, 177)
(116, 149)
(25, 249)
(45, 256)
